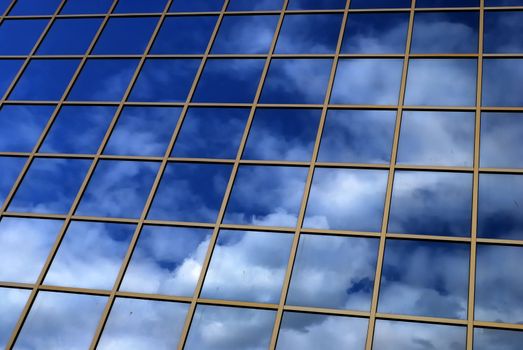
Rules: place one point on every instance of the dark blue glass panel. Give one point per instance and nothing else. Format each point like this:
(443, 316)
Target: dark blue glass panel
(445, 32)
(90, 255)
(78, 129)
(430, 278)
(11, 167)
(249, 5)
(73, 7)
(367, 81)
(12, 302)
(433, 203)
(236, 34)
(103, 80)
(69, 36)
(34, 7)
(229, 80)
(375, 33)
(316, 4)
(211, 133)
(190, 192)
(196, 6)
(503, 3)
(488, 339)
(162, 257)
(296, 81)
(3, 7)
(21, 126)
(184, 35)
(283, 134)
(502, 79)
(149, 128)
(356, 136)
(17, 37)
(8, 70)
(379, 4)
(165, 80)
(50, 186)
(501, 142)
(447, 3)
(125, 36)
(300, 34)
(503, 32)
(140, 6)
(277, 196)
(44, 80)
(118, 189)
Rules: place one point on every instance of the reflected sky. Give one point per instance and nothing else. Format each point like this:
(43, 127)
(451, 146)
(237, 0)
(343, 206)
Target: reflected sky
(503, 31)
(190, 192)
(11, 167)
(334, 272)
(69, 36)
(184, 35)
(34, 7)
(122, 36)
(266, 196)
(365, 4)
(143, 324)
(8, 70)
(487, 339)
(12, 301)
(248, 266)
(316, 4)
(24, 246)
(313, 331)
(167, 260)
(346, 199)
(17, 37)
(249, 5)
(73, 7)
(425, 279)
(229, 328)
(90, 255)
(501, 143)
(135, 6)
(502, 81)
(447, 3)
(196, 6)
(502, 2)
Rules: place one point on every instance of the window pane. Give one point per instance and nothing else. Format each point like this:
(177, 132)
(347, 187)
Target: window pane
(150, 128)
(282, 134)
(316, 4)
(126, 35)
(249, 5)
(334, 272)
(364, 4)
(90, 255)
(502, 79)
(67, 319)
(429, 278)
(236, 34)
(11, 167)
(21, 126)
(447, 3)
(501, 143)
(143, 324)
(24, 246)
(184, 35)
(34, 7)
(8, 70)
(196, 6)
(367, 81)
(445, 32)
(356, 136)
(167, 260)
(237, 328)
(12, 302)
(167, 80)
(437, 138)
(296, 81)
(118, 189)
(78, 129)
(300, 34)
(73, 7)
(17, 37)
(266, 196)
(375, 33)
(136, 6)
(346, 199)
(314, 331)
(211, 133)
(248, 266)
(487, 339)
(503, 3)
(50, 186)
(69, 36)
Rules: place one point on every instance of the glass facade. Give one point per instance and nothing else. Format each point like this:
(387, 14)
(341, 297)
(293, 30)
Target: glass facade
(272, 174)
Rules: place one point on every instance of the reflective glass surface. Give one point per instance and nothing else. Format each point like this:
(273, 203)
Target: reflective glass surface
(11, 167)
(501, 143)
(196, 6)
(69, 36)
(8, 70)
(487, 338)
(125, 35)
(249, 5)
(73, 7)
(365, 4)
(12, 302)
(501, 81)
(502, 2)
(136, 6)
(316, 4)
(17, 37)
(334, 272)
(447, 3)
(34, 7)
(184, 35)
(503, 32)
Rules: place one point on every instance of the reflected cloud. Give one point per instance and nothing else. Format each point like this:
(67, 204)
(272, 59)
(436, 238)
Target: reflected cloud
(11, 167)
(503, 30)
(12, 302)
(487, 339)
(501, 82)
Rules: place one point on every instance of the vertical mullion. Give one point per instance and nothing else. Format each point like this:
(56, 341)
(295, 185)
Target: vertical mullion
(7, 10)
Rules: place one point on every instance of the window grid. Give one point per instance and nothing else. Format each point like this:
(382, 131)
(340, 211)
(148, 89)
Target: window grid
(383, 235)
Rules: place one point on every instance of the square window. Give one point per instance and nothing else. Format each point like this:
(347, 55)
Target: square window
(266, 196)
(125, 35)
(12, 302)
(50, 186)
(441, 82)
(437, 138)
(432, 203)
(501, 143)
(316, 4)
(8, 70)
(196, 6)
(190, 192)
(296, 81)
(489, 338)
(90, 255)
(150, 128)
(367, 81)
(44, 80)
(357, 136)
(11, 167)
(249, 5)
(300, 34)
(74, 7)
(184, 35)
(211, 133)
(118, 189)
(103, 80)
(167, 260)
(282, 134)
(376, 33)
(248, 266)
(237, 32)
(34, 7)
(25, 245)
(334, 272)
(502, 79)
(229, 80)
(140, 6)
(69, 36)
(78, 129)
(447, 3)
(17, 37)
(379, 4)
(166, 80)
(430, 279)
